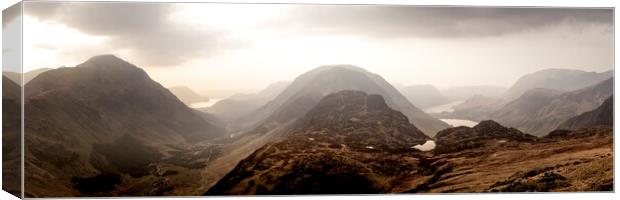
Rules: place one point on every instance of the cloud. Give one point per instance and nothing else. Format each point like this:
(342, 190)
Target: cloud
(144, 29)
(449, 22)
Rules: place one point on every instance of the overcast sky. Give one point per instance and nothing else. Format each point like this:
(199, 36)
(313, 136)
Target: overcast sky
(245, 47)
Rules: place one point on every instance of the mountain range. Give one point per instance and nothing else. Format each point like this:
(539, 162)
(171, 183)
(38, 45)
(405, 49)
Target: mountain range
(540, 111)
(108, 129)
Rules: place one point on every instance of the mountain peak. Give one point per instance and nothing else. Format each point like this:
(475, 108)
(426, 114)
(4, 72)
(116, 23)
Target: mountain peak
(360, 119)
(105, 58)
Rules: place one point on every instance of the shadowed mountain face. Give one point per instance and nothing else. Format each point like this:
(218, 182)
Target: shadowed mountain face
(102, 119)
(484, 134)
(340, 146)
(603, 115)
(540, 111)
(187, 95)
(11, 136)
(557, 79)
(424, 96)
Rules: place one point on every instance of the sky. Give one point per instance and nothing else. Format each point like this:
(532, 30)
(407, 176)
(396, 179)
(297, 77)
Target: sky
(244, 47)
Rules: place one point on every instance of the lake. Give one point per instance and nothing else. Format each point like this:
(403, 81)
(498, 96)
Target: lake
(443, 108)
(205, 104)
(427, 146)
(460, 122)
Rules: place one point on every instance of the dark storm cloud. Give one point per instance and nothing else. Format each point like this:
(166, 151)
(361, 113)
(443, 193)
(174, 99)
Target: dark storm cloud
(437, 21)
(144, 28)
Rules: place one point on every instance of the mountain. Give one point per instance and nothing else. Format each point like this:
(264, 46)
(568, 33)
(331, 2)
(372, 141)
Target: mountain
(108, 123)
(11, 137)
(28, 76)
(603, 115)
(424, 96)
(332, 151)
(275, 120)
(486, 133)
(557, 79)
(464, 92)
(187, 95)
(345, 144)
(475, 108)
(540, 111)
(317, 83)
(239, 105)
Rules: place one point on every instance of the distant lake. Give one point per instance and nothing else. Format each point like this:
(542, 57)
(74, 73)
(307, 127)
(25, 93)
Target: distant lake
(460, 122)
(443, 108)
(205, 104)
(427, 146)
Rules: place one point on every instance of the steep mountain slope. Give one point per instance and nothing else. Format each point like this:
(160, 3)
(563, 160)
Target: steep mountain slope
(603, 115)
(345, 144)
(540, 111)
(424, 96)
(187, 95)
(557, 79)
(11, 137)
(106, 120)
(324, 80)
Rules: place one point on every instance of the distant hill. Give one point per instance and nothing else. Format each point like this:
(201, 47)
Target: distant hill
(461, 93)
(187, 95)
(557, 79)
(540, 111)
(28, 76)
(424, 96)
(240, 105)
(603, 115)
(334, 149)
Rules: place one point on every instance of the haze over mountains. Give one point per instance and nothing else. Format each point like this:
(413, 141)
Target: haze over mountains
(187, 95)
(108, 129)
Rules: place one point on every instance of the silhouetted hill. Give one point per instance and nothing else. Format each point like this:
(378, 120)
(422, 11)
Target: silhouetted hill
(557, 79)
(102, 117)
